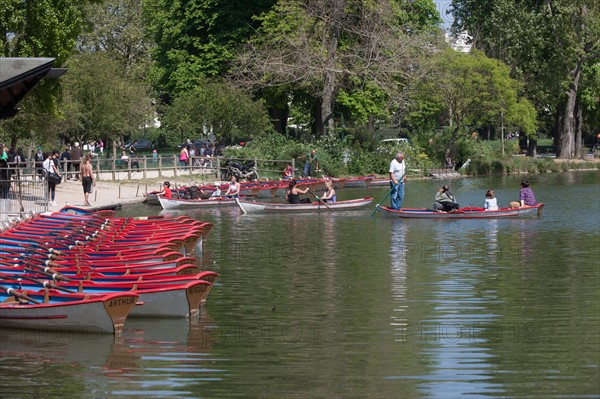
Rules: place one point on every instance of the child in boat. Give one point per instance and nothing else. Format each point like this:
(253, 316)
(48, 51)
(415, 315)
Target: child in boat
(490, 204)
(166, 192)
(329, 195)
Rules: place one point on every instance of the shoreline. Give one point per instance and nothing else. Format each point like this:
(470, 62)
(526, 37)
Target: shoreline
(110, 193)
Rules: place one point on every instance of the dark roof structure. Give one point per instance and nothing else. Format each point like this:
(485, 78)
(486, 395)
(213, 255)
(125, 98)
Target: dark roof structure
(18, 76)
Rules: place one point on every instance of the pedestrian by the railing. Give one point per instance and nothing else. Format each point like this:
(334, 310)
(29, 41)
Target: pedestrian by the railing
(39, 161)
(50, 166)
(76, 155)
(65, 160)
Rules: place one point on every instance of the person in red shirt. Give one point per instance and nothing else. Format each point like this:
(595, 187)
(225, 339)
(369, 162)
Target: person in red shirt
(166, 192)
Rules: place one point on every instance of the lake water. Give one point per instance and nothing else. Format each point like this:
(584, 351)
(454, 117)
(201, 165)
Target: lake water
(353, 306)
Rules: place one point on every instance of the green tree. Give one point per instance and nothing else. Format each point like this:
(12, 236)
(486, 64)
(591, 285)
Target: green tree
(100, 101)
(548, 44)
(195, 39)
(216, 108)
(466, 92)
(118, 27)
(38, 28)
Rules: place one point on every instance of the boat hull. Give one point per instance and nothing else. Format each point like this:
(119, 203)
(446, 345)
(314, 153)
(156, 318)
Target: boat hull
(268, 207)
(463, 213)
(171, 203)
(105, 314)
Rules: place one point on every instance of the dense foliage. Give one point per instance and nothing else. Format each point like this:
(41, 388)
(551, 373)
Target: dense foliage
(342, 73)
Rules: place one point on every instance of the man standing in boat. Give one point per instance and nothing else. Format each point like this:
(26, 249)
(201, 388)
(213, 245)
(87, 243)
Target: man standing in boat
(397, 180)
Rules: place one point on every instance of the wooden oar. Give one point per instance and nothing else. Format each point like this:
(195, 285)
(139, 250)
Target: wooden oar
(320, 200)
(44, 284)
(237, 201)
(12, 291)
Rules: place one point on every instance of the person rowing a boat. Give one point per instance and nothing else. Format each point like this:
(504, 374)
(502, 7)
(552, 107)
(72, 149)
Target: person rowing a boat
(397, 180)
(329, 195)
(444, 201)
(292, 194)
(233, 191)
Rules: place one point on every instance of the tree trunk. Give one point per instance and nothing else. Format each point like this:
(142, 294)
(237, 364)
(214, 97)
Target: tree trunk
(318, 127)
(330, 78)
(579, 153)
(566, 147)
(371, 124)
(279, 117)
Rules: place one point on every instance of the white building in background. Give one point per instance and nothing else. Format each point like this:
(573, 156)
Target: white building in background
(459, 42)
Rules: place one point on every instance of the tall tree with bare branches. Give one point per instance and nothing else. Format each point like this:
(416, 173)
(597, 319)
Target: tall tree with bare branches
(324, 46)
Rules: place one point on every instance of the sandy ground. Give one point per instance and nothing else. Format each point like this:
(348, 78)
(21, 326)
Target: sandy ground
(104, 194)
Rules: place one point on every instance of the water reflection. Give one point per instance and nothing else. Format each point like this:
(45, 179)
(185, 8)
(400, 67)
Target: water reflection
(398, 254)
(151, 358)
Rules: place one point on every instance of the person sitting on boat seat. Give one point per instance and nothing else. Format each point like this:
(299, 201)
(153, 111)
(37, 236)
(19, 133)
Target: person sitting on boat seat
(292, 194)
(329, 195)
(217, 192)
(444, 201)
(233, 191)
(491, 203)
(166, 192)
(526, 197)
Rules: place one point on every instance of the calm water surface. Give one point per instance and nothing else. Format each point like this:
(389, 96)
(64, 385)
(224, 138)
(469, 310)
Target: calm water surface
(347, 305)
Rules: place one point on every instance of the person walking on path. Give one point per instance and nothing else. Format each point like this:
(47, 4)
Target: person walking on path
(397, 181)
(50, 166)
(87, 179)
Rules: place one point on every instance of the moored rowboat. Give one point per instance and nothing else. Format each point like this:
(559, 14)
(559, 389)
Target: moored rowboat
(463, 213)
(174, 203)
(250, 206)
(98, 314)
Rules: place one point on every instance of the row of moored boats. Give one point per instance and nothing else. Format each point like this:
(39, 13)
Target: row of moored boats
(90, 272)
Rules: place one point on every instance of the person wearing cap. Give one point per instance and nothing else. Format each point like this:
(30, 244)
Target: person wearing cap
(217, 192)
(76, 155)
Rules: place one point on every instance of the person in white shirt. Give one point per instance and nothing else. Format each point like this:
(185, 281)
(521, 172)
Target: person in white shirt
(397, 181)
(490, 204)
(217, 192)
(49, 166)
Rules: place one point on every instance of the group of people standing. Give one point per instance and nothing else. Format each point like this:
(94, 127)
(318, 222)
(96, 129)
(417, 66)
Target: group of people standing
(50, 167)
(444, 200)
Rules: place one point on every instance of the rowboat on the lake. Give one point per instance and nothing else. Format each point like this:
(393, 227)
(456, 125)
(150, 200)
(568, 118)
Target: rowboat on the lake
(176, 299)
(318, 206)
(463, 213)
(175, 203)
